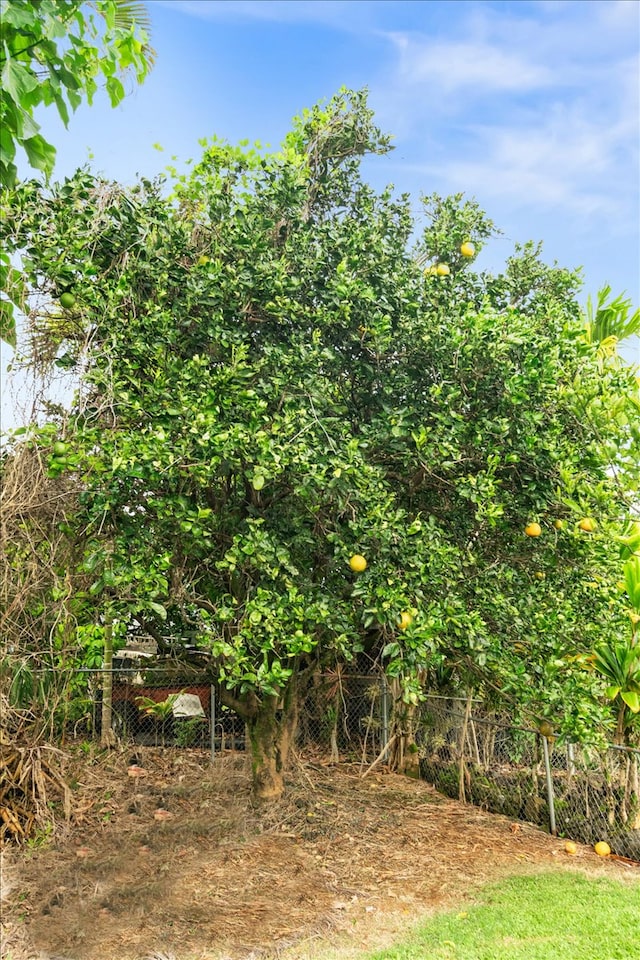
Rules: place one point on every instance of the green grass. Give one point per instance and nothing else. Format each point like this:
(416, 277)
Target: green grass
(551, 916)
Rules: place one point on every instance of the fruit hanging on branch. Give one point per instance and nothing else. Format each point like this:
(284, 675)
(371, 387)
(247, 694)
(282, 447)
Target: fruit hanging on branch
(587, 524)
(67, 301)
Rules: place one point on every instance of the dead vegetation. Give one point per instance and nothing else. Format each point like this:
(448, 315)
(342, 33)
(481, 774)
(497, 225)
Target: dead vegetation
(31, 789)
(217, 877)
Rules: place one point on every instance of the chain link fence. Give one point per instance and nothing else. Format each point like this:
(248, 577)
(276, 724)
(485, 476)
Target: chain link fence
(344, 717)
(467, 751)
(585, 793)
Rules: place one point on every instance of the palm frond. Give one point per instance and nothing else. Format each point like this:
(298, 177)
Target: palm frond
(132, 14)
(611, 320)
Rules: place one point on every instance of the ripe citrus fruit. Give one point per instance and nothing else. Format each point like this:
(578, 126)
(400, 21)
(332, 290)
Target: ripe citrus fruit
(587, 524)
(467, 249)
(533, 529)
(405, 620)
(443, 270)
(602, 849)
(571, 847)
(558, 524)
(358, 563)
(67, 300)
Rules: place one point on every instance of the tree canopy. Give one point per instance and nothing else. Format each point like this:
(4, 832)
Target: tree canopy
(276, 377)
(53, 52)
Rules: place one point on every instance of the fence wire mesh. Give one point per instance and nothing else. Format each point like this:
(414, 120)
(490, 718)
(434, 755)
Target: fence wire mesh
(465, 749)
(343, 717)
(585, 793)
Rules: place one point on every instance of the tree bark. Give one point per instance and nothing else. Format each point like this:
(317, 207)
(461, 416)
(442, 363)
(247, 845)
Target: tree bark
(107, 738)
(402, 756)
(271, 734)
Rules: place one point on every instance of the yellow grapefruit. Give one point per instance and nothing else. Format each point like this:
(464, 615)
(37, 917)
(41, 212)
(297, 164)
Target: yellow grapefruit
(533, 529)
(358, 563)
(558, 524)
(443, 270)
(587, 524)
(602, 849)
(467, 249)
(571, 847)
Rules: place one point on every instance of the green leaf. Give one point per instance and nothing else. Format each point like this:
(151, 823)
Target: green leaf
(7, 145)
(17, 80)
(632, 580)
(7, 323)
(115, 91)
(62, 110)
(42, 155)
(159, 609)
(8, 174)
(612, 692)
(19, 15)
(632, 700)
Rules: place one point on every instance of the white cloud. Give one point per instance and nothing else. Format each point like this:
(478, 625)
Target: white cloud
(472, 67)
(562, 162)
(535, 105)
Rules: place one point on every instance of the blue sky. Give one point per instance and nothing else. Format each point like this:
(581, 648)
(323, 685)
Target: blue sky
(530, 107)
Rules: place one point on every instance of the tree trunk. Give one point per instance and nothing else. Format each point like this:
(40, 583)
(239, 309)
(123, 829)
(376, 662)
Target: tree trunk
(403, 752)
(271, 733)
(107, 738)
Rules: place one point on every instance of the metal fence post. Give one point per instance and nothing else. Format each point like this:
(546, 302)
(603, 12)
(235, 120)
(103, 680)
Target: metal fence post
(384, 728)
(212, 723)
(550, 796)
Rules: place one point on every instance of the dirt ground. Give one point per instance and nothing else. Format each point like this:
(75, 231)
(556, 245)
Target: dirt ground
(341, 863)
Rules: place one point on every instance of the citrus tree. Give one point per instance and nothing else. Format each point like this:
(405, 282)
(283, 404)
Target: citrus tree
(53, 53)
(307, 429)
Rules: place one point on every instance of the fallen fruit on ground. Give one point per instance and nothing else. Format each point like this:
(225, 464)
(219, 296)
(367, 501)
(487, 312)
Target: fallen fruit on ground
(587, 524)
(467, 249)
(533, 529)
(358, 563)
(602, 849)
(570, 847)
(135, 771)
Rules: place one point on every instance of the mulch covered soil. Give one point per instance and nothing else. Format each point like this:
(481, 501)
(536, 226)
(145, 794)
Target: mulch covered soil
(217, 877)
